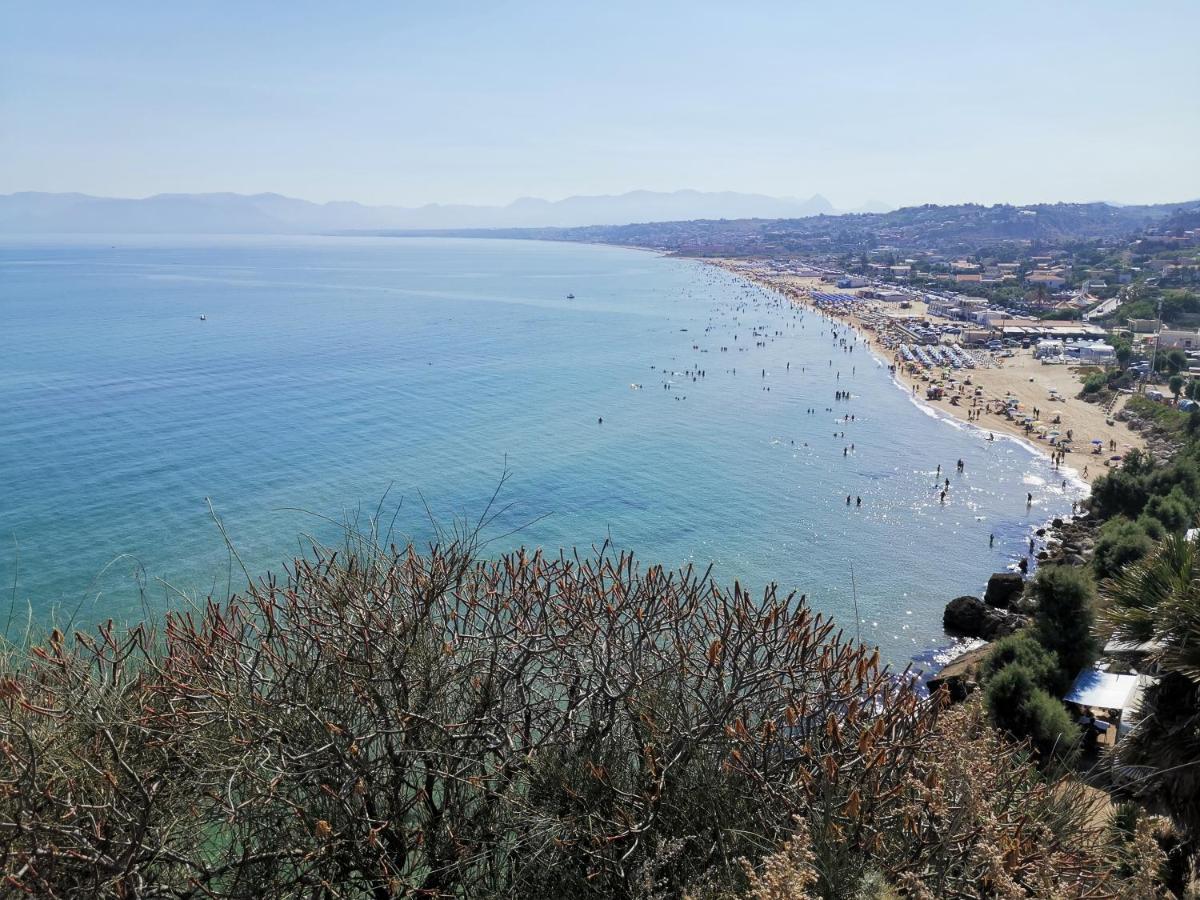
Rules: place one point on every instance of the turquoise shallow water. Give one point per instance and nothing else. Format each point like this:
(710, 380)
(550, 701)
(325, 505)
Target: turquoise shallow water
(329, 369)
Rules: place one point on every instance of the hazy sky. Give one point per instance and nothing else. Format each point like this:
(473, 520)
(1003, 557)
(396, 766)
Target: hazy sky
(440, 101)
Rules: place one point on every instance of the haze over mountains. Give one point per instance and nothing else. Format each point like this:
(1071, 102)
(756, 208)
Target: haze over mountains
(32, 212)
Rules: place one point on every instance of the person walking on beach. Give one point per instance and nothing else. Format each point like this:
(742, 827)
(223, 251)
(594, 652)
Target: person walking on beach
(1028, 500)
(858, 502)
(991, 540)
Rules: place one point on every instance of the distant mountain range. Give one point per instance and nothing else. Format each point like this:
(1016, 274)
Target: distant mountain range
(961, 228)
(32, 212)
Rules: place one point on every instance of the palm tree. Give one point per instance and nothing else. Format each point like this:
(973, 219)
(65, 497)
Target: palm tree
(1157, 599)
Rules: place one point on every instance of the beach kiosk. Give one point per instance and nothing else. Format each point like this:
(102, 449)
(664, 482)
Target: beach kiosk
(1105, 702)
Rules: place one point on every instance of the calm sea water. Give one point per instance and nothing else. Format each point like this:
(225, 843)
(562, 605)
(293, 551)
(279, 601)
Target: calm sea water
(330, 371)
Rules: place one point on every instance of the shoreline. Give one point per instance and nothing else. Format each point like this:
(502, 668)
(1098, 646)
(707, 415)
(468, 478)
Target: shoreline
(1085, 471)
(934, 659)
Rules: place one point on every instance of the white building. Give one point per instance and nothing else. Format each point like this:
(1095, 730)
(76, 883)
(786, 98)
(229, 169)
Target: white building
(1099, 354)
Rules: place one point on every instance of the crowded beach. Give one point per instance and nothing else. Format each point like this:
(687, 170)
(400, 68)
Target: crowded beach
(998, 389)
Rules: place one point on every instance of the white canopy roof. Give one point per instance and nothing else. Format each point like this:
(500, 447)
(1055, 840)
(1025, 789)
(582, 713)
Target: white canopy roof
(1101, 689)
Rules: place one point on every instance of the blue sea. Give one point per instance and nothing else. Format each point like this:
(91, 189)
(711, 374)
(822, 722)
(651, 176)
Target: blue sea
(332, 377)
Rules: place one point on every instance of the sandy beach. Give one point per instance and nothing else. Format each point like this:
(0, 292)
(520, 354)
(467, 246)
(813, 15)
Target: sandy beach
(980, 395)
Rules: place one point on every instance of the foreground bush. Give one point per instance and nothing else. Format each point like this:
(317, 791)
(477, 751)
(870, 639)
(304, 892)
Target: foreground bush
(1004, 831)
(405, 724)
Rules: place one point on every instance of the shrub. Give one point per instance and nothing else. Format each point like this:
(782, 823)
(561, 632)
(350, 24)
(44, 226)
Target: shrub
(1153, 528)
(405, 724)
(975, 820)
(1181, 473)
(1065, 615)
(1119, 493)
(1024, 710)
(1095, 383)
(1022, 649)
(1052, 729)
(1005, 696)
(1121, 542)
(1174, 510)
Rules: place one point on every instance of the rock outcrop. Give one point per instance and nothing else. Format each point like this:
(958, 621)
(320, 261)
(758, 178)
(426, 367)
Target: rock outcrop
(1003, 590)
(971, 617)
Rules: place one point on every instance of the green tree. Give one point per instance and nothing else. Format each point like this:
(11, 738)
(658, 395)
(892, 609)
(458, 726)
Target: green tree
(1174, 510)
(1121, 542)
(1177, 361)
(1064, 617)
(1175, 383)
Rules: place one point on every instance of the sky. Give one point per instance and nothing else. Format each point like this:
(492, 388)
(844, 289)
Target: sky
(410, 103)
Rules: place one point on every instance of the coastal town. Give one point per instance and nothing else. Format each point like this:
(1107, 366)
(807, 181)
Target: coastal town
(1039, 347)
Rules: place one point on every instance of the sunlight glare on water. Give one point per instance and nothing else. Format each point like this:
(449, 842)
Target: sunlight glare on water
(328, 370)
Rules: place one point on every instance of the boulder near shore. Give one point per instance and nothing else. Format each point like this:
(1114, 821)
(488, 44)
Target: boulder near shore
(971, 617)
(1003, 590)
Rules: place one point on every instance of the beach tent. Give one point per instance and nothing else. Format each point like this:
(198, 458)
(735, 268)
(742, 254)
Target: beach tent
(1097, 353)
(1095, 689)
(1049, 347)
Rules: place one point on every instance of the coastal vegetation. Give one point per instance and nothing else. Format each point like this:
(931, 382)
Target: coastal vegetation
(1157, 601)
(1025, 673)
(385, 722)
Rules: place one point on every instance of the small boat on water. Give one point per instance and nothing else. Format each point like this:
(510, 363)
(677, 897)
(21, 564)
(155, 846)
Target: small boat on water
(203, 317)
(570, 296)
